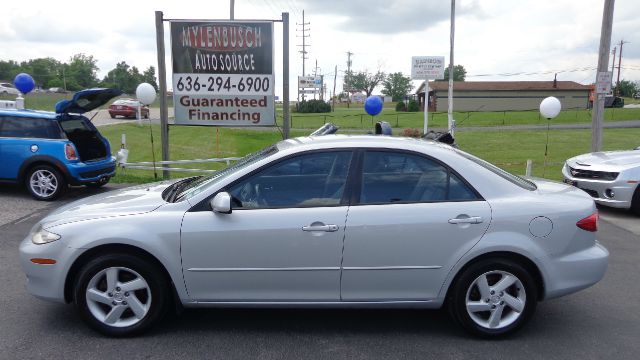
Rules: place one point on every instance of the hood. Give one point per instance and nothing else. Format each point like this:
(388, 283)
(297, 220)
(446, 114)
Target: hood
(86, 100)
(610, 159)
(129, 201)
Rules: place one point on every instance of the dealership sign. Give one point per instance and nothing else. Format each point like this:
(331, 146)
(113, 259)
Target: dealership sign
(427, 67)
(223, 73)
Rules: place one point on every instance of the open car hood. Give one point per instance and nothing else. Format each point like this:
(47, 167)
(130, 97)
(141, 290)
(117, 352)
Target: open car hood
(86, 100)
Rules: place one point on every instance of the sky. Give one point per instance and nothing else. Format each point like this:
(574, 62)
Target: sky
(495, 40)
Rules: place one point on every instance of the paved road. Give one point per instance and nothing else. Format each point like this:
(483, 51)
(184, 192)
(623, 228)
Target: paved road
(600, 322)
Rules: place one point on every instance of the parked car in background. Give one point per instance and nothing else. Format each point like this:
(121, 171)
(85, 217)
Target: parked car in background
(46, 151)
(610, 177)
(8, 89)
(128, 108)
(58, 90)
(428, 226)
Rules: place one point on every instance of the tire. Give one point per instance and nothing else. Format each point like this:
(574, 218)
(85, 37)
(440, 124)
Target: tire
(98, 184)
(112, 115)
(497, 311)
(105, 303)
(46, 183)
(635, 202)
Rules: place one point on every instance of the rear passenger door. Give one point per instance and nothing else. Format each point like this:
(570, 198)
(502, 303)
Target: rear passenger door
(411, 218)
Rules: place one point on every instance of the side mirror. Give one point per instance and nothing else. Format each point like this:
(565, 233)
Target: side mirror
(221, 203)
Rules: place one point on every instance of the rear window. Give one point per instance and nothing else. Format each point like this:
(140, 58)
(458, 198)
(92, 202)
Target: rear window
(25, 127)
(75, 124)
(517, 180)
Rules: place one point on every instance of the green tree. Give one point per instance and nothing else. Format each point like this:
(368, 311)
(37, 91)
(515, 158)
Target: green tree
(81, 72)
(9, 70)
(149, 76)
(43, 70)
(626, 88)
(365, 81)
(397, 86)
(459, 73)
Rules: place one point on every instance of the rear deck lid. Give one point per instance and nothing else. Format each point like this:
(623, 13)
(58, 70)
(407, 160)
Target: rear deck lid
(86, 100)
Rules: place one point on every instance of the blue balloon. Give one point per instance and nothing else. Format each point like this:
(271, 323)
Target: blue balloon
(373, 105)
(24, 83)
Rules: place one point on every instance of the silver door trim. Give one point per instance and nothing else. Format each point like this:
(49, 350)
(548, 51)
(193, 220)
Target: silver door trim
(264, 269)
(433, 267)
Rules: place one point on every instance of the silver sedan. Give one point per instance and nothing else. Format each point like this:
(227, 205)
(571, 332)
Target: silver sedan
(610, 177)
(330, 221)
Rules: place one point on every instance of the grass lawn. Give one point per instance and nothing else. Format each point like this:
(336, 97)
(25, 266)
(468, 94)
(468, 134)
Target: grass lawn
(508, 149)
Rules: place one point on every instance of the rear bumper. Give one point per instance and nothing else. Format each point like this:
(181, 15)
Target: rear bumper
(576, 271)
(87, 172)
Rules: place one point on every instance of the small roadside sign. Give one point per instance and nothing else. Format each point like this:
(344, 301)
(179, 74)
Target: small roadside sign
(427, 67)
(603, 82)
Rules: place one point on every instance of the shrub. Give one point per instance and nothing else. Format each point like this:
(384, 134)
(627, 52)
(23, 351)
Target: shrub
(313, 106)
(413, 106)
(414, 133)
(401, 106)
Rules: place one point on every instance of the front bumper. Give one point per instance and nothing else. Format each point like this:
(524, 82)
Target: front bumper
(46, 281)
(576, 271)
(623, 191)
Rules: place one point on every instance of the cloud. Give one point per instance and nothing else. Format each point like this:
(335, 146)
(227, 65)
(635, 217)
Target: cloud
(389, 17)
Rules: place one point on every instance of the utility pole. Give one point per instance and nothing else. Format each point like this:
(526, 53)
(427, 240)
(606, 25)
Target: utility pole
(335, 78)
(348, 78)
(622, 42)
(315, 75)
(232, 5)
(451, 121)
(613, 64)
(603, 64)
(304, 45)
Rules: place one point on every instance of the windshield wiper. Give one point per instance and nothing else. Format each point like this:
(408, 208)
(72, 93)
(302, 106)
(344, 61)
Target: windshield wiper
(175, 188)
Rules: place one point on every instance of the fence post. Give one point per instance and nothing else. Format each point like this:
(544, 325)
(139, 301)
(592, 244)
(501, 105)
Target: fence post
(397, 121)
(529, 165)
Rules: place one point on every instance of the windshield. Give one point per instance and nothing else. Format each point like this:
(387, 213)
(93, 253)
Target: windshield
(197, 186)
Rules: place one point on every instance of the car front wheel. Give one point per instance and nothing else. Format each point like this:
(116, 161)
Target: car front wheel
(120, 294)
(493, 298)
(46, 183)
(635, 202)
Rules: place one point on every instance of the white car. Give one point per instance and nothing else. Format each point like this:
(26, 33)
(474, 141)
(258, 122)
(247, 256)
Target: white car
(610, 177)
(327, 221)
(8, 89)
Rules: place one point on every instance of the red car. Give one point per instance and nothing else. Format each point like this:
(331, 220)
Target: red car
(128, 108)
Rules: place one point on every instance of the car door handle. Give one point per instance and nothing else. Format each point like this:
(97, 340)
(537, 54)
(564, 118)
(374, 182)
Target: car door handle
(326, 228)
(466, 220)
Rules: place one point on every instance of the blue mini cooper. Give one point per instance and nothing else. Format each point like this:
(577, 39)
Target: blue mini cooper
(47, 151)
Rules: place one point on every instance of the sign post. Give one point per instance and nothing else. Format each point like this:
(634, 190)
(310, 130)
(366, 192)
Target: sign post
(426, 68)
(223, 73)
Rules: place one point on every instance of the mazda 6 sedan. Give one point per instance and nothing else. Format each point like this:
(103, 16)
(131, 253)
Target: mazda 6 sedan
(612, 178)
(326, 221)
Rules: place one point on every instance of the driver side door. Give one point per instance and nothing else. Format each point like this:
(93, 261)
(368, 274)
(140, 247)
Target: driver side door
(283, 240)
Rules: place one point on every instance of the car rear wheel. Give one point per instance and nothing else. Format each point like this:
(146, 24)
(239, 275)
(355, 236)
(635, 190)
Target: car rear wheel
(635, 202)
(120, 294)
(46, 183)
(493, 298)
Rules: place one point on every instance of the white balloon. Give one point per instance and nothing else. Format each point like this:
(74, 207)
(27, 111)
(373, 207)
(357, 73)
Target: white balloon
(550, 107)
(146, 93)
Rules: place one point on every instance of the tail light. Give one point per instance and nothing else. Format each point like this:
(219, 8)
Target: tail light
(70, 152)
(590, 223)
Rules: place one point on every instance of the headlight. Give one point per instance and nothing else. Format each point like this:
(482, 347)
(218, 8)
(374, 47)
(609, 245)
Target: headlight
(41, 236)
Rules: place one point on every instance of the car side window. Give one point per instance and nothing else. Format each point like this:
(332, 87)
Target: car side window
(392, 177)
(314, 179)
(24, 127)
